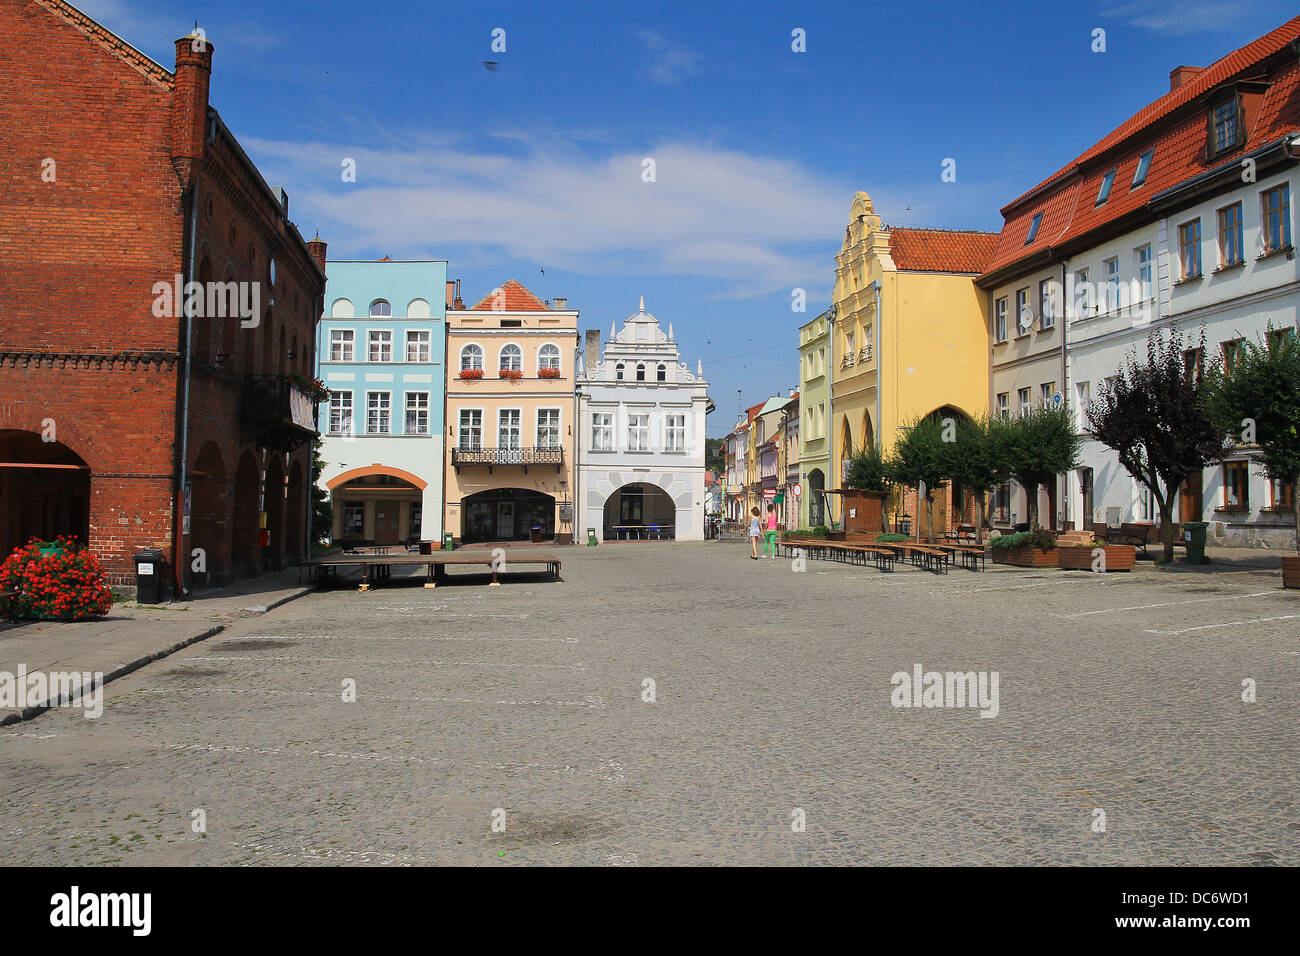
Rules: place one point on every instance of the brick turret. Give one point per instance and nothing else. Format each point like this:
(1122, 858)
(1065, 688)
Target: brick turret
(189, 113)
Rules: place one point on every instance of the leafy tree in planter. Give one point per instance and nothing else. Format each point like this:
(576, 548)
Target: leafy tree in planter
(1257, 402)
(921, 458)
(870, 471)
(1153, 415)
(1039, 446)
(977, 459)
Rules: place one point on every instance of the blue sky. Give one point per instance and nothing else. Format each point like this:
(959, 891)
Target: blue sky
(758, 149)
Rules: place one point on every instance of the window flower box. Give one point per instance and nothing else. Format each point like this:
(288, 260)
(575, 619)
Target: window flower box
(513, 374)
(548, 373)
(471, 373)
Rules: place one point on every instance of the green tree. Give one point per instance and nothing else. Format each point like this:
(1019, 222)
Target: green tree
(1037, 447)
(1259, 398)
(1153, 416)
(921, 460)
(322, 508)
(977, 459)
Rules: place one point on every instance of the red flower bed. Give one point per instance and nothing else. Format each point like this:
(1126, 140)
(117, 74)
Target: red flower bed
(548, 373)
(511, 373)
(471, 373)
(64, 585)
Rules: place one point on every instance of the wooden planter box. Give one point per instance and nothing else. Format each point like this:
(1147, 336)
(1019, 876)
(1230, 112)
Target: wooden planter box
(836, 535)
(1030, 557)
(1291, 572)
(1119, 557)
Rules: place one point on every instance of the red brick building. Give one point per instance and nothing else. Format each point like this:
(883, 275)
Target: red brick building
(120, 181)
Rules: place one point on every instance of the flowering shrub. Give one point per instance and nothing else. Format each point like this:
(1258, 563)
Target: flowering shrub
(64, 585)
(548, 373)
(471, 373)
(313, 388)
(511, 373)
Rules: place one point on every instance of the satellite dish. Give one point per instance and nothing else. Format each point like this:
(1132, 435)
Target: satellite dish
(1026, 318)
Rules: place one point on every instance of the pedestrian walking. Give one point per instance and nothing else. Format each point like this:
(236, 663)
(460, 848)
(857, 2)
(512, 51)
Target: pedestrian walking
(754, 532)
(769, 546)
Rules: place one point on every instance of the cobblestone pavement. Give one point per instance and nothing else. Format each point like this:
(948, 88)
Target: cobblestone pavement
(1120, 693)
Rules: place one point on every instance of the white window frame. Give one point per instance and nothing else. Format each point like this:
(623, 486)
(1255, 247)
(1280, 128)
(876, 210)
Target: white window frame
(542, 361)
(669, 432)
(1022, 303)
(559, 426)
(641, 441)
(1004, 405)
(346, 421)
(465, 348)
(476, 445)
(1144, 268)
(501, 355)
(406, 419)
(428, 346)
(1023, 396)
(379, 410)
(1046, 305)
(1111, 267)
(346, 345)
(519, 424)
(599, 428)
(371, 313)
(1000, 319)
(1084, 300)
(373, 335)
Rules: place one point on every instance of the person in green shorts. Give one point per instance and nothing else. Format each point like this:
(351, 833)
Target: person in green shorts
(769, 546)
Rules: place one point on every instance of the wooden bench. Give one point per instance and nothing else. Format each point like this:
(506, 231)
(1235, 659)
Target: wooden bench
(968, 554)
(921, 555)
(838, 551)
(1137, 535)
(376, 567)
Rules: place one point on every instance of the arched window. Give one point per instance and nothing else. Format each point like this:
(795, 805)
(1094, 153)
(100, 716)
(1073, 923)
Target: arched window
(640, 372)
(381, 309)
(512, 358)
(618, 372)
(663, 373)
(548, 356)
(471, 357)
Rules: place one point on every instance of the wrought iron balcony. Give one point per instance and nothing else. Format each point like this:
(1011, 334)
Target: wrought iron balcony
(522, 455)
(848, 361)
(281, 414)
(865, 354)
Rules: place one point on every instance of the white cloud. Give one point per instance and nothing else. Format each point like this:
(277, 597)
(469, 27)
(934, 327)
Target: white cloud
(756, 223)
(671, 61)
(1179, 19)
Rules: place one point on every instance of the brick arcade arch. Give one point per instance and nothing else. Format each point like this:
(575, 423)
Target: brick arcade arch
(44, 490)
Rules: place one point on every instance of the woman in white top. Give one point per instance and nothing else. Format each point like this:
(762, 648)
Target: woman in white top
(755, 531)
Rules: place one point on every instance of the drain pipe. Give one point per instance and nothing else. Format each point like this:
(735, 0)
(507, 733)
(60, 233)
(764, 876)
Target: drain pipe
(179, 555)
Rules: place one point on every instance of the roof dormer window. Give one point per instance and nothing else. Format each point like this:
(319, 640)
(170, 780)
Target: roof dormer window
(1144, 167)
(1033, 227)
(1104, 192)
(1225, 126)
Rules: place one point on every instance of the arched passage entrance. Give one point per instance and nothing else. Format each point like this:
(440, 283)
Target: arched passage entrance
(244, 550)
(507, 514)
(209, 513)
(294, 516)
(952, 504)
(44, 491)
(640, 512)
(816, 498)
(377, 508)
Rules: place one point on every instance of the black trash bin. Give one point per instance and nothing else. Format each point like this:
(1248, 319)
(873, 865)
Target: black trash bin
(150, 576)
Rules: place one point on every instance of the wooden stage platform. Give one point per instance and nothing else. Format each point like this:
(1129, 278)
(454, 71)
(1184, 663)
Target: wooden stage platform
(378, 567)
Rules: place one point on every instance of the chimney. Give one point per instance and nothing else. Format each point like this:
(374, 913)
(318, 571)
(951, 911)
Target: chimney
(592, 349)
(451, 293)
(317, 249)
(1181, 74)
(458, 302)
(559, 304)
(189, 113)
(791, 395)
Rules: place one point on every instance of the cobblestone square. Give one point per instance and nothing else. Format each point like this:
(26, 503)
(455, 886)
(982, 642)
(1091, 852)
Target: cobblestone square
(772, 695)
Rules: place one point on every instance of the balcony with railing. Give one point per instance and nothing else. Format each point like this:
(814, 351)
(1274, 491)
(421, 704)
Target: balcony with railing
(280, 412)
(864, 355)
(523, 455)
(847, 361)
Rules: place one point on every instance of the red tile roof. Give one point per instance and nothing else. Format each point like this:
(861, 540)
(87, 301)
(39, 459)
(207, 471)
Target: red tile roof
(941, 250)
(517, 299)
(1174, 126)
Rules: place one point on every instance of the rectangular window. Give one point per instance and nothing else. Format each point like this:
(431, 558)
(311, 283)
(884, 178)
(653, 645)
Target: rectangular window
(417, 346)
(1106, 183)
(340, 413)
(1046, 391)
(548, 428)
(1112, 283)
(1145, 287)
(1146, 504)
(1083, 297)
(1004, 410)
(1281, 495)
(379, 413)
(1046, 305)
(1144, 167)
(381, 346)
(1082, 396)
(1278, 338)
(1193, 362)
(1023, 313)
(1230, 247)
(602, 431)
(1002, 504)
(1232, 352)
(471, 429)
(1236, 487)
(1277, 217)
(674, 433)
(1033, 227)
(354, 519)
(1189, 248)
(417, 413)
(508, 428)
(342, 345)
(1022, 395)
(1000, 319)
(1223, 122)
(638, 432)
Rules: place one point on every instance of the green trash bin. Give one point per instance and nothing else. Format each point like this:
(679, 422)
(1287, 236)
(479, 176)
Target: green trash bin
(591, 537)
(448, 542)
(1194, 537)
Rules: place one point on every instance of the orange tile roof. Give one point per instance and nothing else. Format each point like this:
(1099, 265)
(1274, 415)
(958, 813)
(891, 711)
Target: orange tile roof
(941, 250)
(517, 299)
(1174, 126)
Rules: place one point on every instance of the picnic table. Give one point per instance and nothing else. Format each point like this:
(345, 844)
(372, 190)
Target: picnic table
(378, 567)
(642, 532)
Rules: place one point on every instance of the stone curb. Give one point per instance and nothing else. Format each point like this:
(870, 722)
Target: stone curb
(27, 713)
